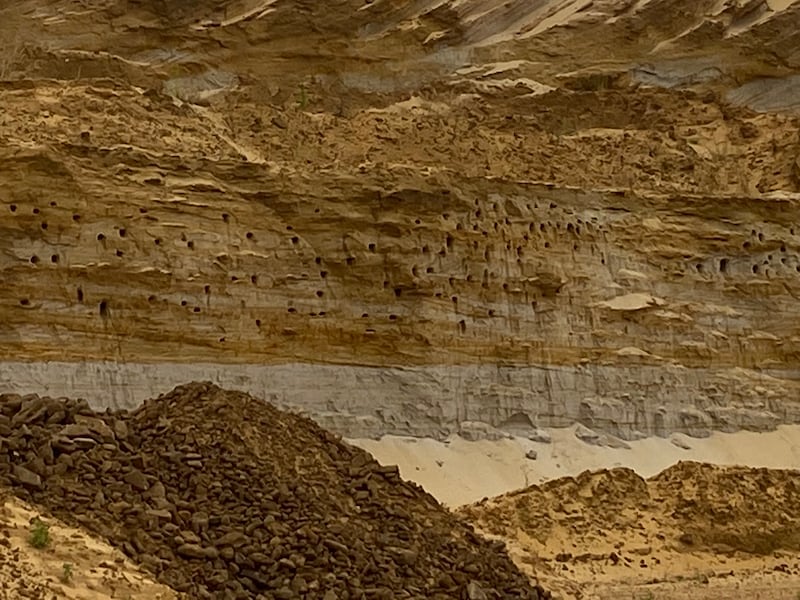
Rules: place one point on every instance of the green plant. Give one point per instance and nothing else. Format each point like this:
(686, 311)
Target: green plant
(302, 99)
(40, 533)
(66, 572)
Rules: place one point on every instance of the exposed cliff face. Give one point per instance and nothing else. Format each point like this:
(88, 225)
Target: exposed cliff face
(389, 215)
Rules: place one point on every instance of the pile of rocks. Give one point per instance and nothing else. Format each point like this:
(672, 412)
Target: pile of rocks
(222, 495)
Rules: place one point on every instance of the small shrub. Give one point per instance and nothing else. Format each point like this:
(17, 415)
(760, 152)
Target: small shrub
(66, 572)
(40, 534)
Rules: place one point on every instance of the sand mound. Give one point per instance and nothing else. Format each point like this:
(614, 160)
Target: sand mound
(692, 521)
(222, 495)
(72, 565)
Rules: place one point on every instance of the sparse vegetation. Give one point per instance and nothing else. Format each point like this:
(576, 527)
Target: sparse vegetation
(39, 534)
(302, 97)
(66, 572)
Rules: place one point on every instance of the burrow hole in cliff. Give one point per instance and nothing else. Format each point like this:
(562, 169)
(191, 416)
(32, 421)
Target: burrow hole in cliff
(184, 303)
(783, 247)
(746, 245)
(323, 274)
(119, 253)
(454, 299)
(291, 310)
(226, 217)
(393, 317)
(723, 265)
(80, 294)
(258, 322)
(103, 308)
(318, 260)
(397, 292)
(249, 235)
(122, 232)
(371, 246)
(207, 289)
(350, 261)
(190, 245)
(319, 293)
(36, 211)
(12, 207)
(44, 225)
(254, 279)
(54, 258)
(100, 237)
(157, 241)
(196, 309)
(755, 269)
(449, 241)
(76, 217)
(295, 240)
(429, 270)
(462, 325)
(24, 302)
(34, 259)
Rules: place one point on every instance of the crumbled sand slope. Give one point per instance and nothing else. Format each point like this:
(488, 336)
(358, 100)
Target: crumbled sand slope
(73, 566)
(692, 528)
(458, 472)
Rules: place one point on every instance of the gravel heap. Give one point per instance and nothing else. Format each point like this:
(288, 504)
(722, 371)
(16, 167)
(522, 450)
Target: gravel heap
(221, 495)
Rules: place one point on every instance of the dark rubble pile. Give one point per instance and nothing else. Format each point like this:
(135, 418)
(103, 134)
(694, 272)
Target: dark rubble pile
(221, 495)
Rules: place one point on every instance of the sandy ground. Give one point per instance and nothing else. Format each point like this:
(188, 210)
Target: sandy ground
(459, 472)
(692, 531)
(605, 537)
(73, 565)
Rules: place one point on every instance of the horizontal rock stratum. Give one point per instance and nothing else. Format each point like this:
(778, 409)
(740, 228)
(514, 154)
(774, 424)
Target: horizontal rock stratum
(407, 220)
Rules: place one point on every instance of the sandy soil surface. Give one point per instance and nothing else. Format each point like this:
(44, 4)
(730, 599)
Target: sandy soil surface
(692, 531)
(73, 565)
(459, 472)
